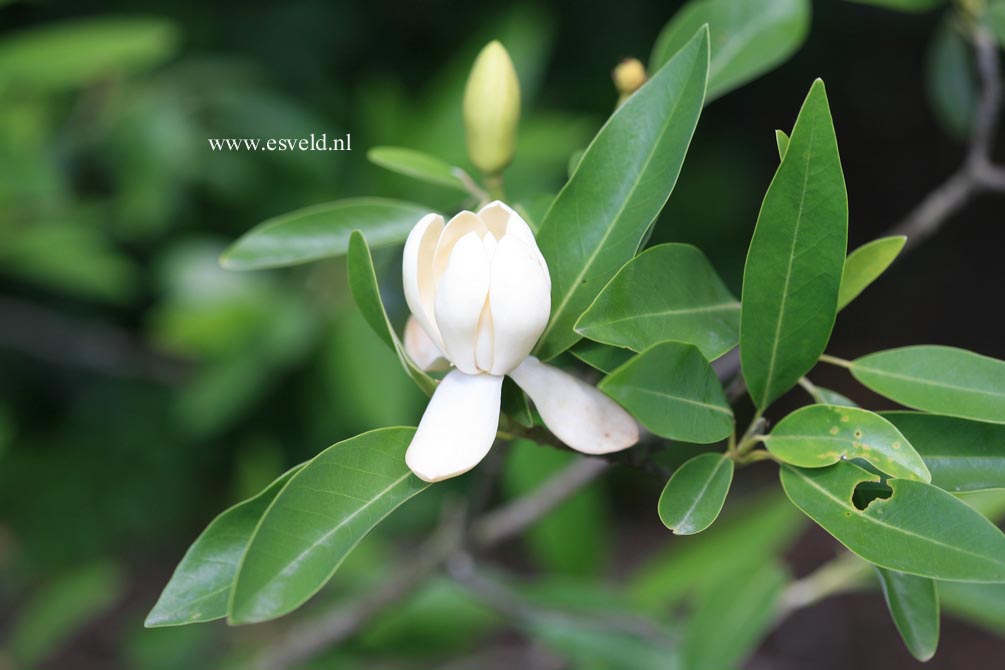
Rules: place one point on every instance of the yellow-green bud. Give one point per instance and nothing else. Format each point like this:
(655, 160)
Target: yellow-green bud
(492, 109)
(629, 76)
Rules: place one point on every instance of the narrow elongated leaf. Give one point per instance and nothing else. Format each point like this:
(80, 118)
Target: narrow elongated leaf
(618, 189)
(417, 164)
(951, 79)
(920, 529)
(864, 265)
(321, 514)
(321, 231)
(366, 293)
(821, 435)
(961, 455)
(668, 292)
(694, 496)
(200, 586)
(749, 37)
(944, 380)
(914, 605)
(673, 391)
(782, 142)
(601, 357)
(793, 270)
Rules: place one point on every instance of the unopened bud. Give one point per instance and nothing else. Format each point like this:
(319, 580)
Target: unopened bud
(629, 76)
(492, 109)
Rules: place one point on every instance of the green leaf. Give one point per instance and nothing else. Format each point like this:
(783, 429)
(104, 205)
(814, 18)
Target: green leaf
(366, 293)
(515, 404)
(903, 5)
(782, 141)
(668, 292)
(825, 396)
(914, 605)
(673, 391)
(748, 37)
(961, 455)
(321, 514)
(417, 164)
(919, 529)
(951, 79)
(200, 586)
(864, 265)
(821, 435)
(793, 270)
(321, 231)
(601, 356)
(996, 19)
(695, 494)
(76, 53)
(745, 604)
(944, 380)
(620, 186)
(982, 604)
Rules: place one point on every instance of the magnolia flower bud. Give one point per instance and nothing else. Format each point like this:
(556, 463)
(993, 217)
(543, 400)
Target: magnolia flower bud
(492, 109)
(480, 295)
(628, 77)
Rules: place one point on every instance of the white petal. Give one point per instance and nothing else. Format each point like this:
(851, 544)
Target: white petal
(520, 300)
(577, 413)
(501, 219)
(485, 341)
(417, 271)
(460, 299)
(461, 225)
(421, 349)
(458, 427)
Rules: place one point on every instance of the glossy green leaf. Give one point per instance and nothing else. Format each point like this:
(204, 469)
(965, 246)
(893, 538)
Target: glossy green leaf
(914, 605)
(793, 270)
(668, 292)
(821, 435)
(199, 589)
(746, 605)
(673, 391)
(321, 231)
(515, 404)
(694, 496)
(961, 455)
(601, 356)
(748, 37)
(782, 142)
(417, 164)
(76, 53)
(944, 380)
(321, 514)
(826, 396)
(864, 265)
(366, 293)
(904, 5)
(920, 529)
(618, 189)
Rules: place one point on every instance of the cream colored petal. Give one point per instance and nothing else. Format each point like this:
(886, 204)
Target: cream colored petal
(462, 224)
(421, 349)
(502, 219)
(417, 272)
(520, 300)
(458, 427)
(576, 412)
(460, 299)
(485, 341)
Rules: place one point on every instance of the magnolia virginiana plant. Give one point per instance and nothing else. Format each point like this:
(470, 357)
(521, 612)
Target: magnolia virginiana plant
(551, 300)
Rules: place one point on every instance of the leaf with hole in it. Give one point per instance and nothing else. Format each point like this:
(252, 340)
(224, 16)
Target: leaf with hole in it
(864, 265)
(914, 605)
(321, 514)
(748, 37)
(793, 270)
(961, 455)
(418, 165)
(943, 380)
(321, 231)
(673, 391)
(920, 529)
(366, 293)
(690, 304)
(600, 217)
(602, 357)
(200, 586)
(694, 495)
(820, 435)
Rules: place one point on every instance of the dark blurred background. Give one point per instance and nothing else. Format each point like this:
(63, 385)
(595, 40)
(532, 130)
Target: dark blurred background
(143, 389)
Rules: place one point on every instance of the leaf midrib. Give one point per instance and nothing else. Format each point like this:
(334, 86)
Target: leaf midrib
(701, 494)
(662, 394)
(705, 309)
(925, 382)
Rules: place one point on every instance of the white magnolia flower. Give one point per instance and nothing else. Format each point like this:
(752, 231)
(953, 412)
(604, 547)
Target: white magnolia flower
(480, 296)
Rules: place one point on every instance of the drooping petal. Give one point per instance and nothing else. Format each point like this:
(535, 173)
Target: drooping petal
(458, 427)
(417, 272)
(460, 299)
(462, 224)
(421, 349)
(577, 413)
(520, 300)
